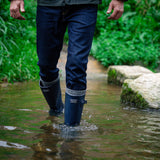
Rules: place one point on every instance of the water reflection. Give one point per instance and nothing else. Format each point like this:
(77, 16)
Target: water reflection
(57, 143)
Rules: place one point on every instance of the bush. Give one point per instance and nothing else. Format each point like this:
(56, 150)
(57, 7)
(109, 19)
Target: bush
(134, 38)
(18, 58)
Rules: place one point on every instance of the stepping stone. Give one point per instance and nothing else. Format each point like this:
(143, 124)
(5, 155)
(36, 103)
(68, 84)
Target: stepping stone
(143, 92)
(118, 74)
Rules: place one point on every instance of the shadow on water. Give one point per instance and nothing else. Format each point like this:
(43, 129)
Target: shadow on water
(107, 131)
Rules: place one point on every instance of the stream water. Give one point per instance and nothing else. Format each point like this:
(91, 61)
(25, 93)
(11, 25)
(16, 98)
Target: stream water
(108, 130)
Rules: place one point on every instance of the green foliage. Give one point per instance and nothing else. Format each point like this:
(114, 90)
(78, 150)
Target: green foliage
(134, 38)
(18, 59)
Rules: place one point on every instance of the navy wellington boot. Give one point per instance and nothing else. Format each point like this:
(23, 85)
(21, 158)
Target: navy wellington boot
(52, 94)
(73, 109)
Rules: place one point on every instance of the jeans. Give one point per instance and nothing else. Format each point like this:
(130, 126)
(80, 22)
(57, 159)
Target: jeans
(51, 26)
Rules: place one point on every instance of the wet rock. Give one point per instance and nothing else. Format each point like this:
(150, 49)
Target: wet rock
(143, 92)
(118, 74)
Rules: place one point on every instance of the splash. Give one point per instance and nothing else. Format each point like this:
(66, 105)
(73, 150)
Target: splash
(84, 126)
(69, 132)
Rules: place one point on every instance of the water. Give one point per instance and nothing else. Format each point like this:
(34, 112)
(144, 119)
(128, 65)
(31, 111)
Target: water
(108, 130)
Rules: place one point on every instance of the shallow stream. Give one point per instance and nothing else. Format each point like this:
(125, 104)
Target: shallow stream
(108, 130)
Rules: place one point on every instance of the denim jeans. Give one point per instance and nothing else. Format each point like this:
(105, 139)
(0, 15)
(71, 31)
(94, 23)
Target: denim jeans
(51, 26)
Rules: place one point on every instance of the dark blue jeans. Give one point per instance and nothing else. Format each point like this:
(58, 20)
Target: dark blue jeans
(51, 26)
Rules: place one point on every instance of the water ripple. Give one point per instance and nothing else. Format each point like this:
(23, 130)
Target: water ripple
(12, 145)
(25, 110)
(10, 128)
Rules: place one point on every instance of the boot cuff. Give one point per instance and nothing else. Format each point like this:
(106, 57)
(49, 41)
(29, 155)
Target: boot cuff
(75, 92)
(47, 84)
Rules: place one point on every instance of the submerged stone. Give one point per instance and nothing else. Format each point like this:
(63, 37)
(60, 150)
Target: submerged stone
(118, 74)
(143, 92)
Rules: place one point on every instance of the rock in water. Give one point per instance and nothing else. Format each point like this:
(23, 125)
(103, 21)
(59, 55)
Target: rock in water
(118, 74)
(143, 92)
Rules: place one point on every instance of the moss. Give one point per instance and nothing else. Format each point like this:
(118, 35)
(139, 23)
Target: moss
(131, 98)
(112, 77)
(112, 73)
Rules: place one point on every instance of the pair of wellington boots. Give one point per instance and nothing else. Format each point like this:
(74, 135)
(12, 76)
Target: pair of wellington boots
(73, 104)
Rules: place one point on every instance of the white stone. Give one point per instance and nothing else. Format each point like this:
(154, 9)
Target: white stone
(148, 86)
(124, 72)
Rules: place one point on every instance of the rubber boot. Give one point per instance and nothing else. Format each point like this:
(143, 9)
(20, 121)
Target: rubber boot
(73, 109)
(52, 94)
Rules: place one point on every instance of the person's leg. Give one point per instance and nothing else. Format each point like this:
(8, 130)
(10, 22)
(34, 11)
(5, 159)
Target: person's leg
(81, 26)
(50, 32)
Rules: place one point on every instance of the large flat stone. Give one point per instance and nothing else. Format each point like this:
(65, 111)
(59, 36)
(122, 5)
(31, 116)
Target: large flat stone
(118, 74)
(143, 92)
